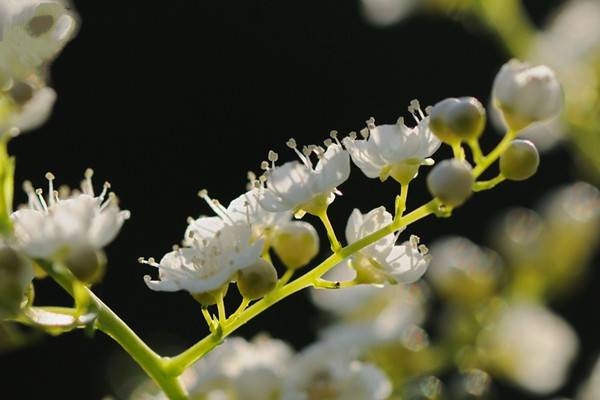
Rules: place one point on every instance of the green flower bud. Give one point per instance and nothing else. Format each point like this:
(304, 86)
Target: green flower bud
(296, 244)
(453, 120)
(257, 280)
(15, 275)
(520, 160)
(211, 298)
(451, 181)
(86, 263)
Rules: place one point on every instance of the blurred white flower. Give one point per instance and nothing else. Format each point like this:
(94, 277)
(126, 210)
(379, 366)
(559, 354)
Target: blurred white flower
(590, 390)
(461, 270)
(327, 371)
(526, 94)
(387, 12)
(531, 346)
(241, 370)
(300, 186)
(384, 261)
(32, 32)
(64, 222)
(576, 205)
(394, 150)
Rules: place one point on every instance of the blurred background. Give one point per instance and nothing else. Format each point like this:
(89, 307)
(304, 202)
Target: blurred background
(165, 98)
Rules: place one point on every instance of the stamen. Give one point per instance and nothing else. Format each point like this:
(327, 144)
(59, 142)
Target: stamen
(327, 142)
(400, 121)
(105, 188)
(86, 185)
(364, 133)
(40, 198)
(334, 136)
(428, 110)
(353, 135)
(264, 165)
(291, 143)
(414, 241)
(371, 123)
(50, 177)
(423, 249)
(214, 205)
(272, 156)
(189, 220)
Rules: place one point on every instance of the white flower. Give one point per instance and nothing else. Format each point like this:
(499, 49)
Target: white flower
(300, 186)
(31, 114)
(216, 248)
(394, 150)
(244, 209)
(383, 261)
(526, 94)
(209, 263)
(32, 32)
(327, 371)
(46, 228)
(531, 346)
(245, 370)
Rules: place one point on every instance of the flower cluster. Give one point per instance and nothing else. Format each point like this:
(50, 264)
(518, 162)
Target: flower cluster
(370, 283)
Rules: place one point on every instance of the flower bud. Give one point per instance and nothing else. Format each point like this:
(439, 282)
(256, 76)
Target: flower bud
(86, 263)
(296, 244)
(526, 94)
(453, 120)
(15, 275)
(520, 160)
(461, 271)
(211, 298)
(451, 181)
(257, 280)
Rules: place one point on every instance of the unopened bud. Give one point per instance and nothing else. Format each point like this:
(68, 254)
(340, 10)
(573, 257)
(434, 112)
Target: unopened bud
(451, 181)
(86, 263)
(453, 120)
(520, 160)
(15, 275)
(257, 280)
(526, 94)
(212, 297)
(296, 244)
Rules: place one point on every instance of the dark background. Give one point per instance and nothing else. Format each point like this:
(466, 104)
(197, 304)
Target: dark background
(165, 98)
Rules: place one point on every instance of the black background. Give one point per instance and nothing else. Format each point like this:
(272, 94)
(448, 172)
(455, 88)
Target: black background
(165, 98)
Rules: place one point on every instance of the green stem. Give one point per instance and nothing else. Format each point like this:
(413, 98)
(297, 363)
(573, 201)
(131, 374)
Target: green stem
(475, 150)
(221, 308)
(178, 364)
(489, 184)
(494, 154)
(325, 284)
(458, 151)
(287, 275)
(401, 200)
(109, 323)
(335, 243)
